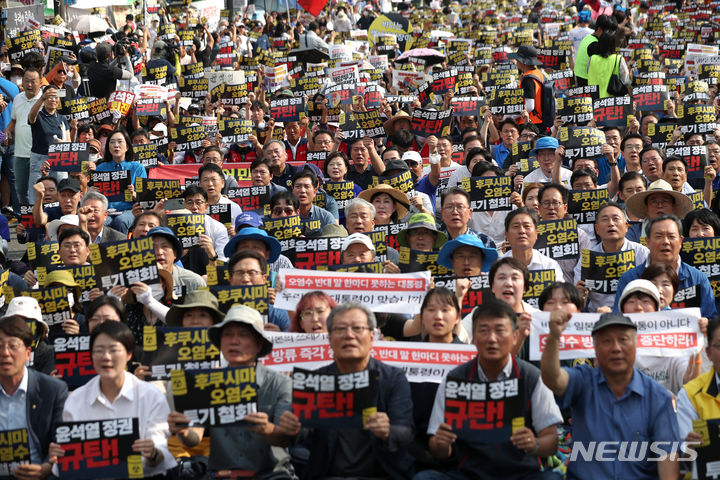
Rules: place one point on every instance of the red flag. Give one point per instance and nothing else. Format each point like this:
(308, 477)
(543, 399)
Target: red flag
(313, 7)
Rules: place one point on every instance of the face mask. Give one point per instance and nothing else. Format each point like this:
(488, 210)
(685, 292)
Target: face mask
(365, 13)
(93, 157)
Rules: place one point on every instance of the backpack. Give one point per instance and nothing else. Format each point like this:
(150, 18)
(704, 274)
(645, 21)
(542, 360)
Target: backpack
(547, 99)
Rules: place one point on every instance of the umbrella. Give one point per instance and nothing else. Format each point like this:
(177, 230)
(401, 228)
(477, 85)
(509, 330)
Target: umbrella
(309, 55)
(90, 23)
(430, 56)
(392, 23)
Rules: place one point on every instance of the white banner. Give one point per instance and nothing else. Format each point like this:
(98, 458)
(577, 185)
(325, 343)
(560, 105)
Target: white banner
(421, 362)
(669, 333)
(399, 293)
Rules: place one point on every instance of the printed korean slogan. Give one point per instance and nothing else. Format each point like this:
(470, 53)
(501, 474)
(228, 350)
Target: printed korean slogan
(176, 348)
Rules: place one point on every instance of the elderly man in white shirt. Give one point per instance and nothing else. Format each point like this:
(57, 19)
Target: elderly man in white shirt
(521, 234)
(196, 201)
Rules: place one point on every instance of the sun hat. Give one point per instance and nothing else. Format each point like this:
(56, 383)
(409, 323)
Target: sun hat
(194, 299)
(637, 203)
(467, 239)
(401, 200)
(422, 220)
(257, 234)
(640, 286)
(246, 316)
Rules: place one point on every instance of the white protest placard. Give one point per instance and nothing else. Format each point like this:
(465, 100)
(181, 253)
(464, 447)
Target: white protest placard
(148, 90)
(695, 52)
(349, 74)
(230, 77)
(421, 361)
(669, 333)
(399, 77)
(398, 293)
(341, 52)
(379, 61)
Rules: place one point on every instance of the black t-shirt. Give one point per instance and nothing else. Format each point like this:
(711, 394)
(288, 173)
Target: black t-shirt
(103, 79)
(363, 179)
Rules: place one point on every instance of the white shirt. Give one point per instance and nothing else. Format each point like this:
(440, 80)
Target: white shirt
(541, 262)
(218, 234)
(537, 176)
(545, 412)
(23, 131)
(491, 225)
(235, 209)
(136, 399)
(577, 34)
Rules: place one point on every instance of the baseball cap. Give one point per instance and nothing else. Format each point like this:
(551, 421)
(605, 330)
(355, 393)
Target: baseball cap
(360, 238)
(610, 319)
(68, 184)
(640, 286)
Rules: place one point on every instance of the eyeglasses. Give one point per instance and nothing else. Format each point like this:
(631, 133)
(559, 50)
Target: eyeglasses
(243, 273)
(100, 352)
(72, 246)
(645, 161)
(356, 329)
(285, 210)
(324, 142)
(549, 204)
(12, 345)
(454, 208)
(192, 203)
(306, 314)
(654, 201)
(117, 142)
(635, 148)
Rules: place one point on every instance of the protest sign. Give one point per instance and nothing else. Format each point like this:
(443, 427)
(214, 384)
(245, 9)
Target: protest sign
(391, 232)
(217, 275)
(125, 262)
(467, 106)
(73, 361)
(253, 296)
(650, 97)
(704, 254)
(27, 220)
(488, 194)
(193, 87)
(177, 348)
(400, 293)
(235, 131)
(539, 281)
(583, 205)
(287, 109)
(577, 110)
(307, 253)
(483, 412)
(150, 191)
(215, 397)
(591, 91)
(602, 271)
(75, 109)
(667, 333)
(284, 228)
(188, 138)
(661, 133)
(340, 94)
(563, 81)
(417, 261)
(99, 449)
(708, 459)
(187, 227)
(553, 58)
(327, 400)
(343, 192)
(697, 118)
(371, 122)
(430, 122)
(148, 107)
(120, 102)
(68, 156)
(506, 101)
(147, 155)
(53, 303)
(558, 239)
(84, 276)
(349, 126)
(113, 185)
(15, 450)
(22, 44)
(192, 71)
(444, 81)
(479, 289)
(44, 254)
(221, 212)
(696, 157)
(582, 142)
(612, 111)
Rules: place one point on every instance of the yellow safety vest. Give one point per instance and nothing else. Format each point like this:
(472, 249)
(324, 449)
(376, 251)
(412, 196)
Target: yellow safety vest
(706, 405)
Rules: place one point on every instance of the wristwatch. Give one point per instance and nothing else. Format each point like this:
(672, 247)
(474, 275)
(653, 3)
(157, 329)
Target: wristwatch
(612, 164)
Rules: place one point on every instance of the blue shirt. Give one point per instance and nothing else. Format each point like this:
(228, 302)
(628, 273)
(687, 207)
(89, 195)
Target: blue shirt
(279, 317)
(136, 170)
(425, 186)
(500, 153)
(13, 414)
(689, 277)
(11, 90)
(643, 413)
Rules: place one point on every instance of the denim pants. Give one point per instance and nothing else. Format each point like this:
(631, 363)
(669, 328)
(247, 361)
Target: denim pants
(36, 161)
(7, 170)
(22, 172)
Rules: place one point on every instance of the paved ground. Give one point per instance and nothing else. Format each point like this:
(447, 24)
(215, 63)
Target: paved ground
(16, 250)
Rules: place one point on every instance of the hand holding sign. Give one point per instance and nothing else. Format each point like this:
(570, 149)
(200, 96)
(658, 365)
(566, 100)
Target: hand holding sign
(524, 439)
(379, 424)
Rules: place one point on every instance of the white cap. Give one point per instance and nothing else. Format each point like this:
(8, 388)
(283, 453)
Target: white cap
(640, 286)
(55, 225)
(358, 238)
(412, 156)
(29, 308)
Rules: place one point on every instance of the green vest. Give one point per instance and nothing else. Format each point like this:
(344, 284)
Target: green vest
(581, 56)
(600, 70)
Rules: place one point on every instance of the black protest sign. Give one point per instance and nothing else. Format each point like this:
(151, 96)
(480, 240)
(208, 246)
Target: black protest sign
(497, 80)
(349, 126)
(371, 121)
(226, 55)
(150, 191)
(650, 97)
(113, 185)
(187, 228)
(482, 412)
(177, 348)
(506, 101)
(467, 106)
(443, 82)
(27, 220)
(287, 109)
(697, 119)
(575, 110)
(251, 199)
(188, 138)
(465, 83)
(378, 239)
(708, 452)
(326, 400)
(372, 94)
(73, 361)
(99, 449)
(696, 157)
(284, 228)
(401, 181)
(553, 58)
(235, 131)
(430, 122)
(253, 296)
(425, 94)
(75, 109)
(234, 94)
(704, 254)
(488, 194)
(661, 133)
(193, 87)
(53, 302)
(99, 110)
(192, 71)
(44, 254)
(649, 78)
(68, 156)
(217, 275)
(148, 107)
(155, 75)
(14, 451)
(221, 212)
(709, 73)
(563, 81)
(22, 44)
(391, 232)
(215, 397)
(372, 267)
(479, 289)
(318, 159)
(305, 85)
(602, 271)
(558, 239)
(417, 261)
(612, 111)
(340, 94)
(125, 262)
(694, 91)
(146, 154)
(591, 91)
(343, 192)
(308, 253)
(582, 142)
(583, 205)
(521, 155)
(687, 298)
(539, 280)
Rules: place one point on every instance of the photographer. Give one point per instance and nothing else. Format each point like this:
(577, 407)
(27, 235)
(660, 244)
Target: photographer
(102, 76)
(163, 56)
